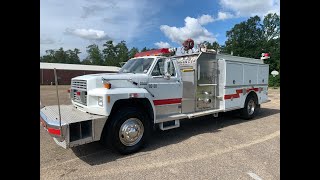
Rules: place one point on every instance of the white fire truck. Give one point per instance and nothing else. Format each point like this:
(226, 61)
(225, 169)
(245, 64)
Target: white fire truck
(154, 90)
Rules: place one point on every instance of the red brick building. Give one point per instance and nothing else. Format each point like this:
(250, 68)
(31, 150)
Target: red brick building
(67, 71)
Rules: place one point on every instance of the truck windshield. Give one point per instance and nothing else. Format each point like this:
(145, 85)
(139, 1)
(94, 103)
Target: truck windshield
(140, 66)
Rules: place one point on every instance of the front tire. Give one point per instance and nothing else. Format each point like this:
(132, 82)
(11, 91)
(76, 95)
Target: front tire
(128, 130)
(250, 108)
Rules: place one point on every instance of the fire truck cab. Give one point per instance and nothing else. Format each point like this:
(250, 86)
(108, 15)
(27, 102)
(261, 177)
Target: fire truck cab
(155, 90)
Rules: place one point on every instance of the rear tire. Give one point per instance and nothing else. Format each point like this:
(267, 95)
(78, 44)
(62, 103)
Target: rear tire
(250, 108)
(128, 130)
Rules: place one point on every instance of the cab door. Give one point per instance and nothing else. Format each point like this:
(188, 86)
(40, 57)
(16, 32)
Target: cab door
(165, 85)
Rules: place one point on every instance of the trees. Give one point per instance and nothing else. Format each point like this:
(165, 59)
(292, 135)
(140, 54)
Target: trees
(144, 49)
(271, 40)
(109, 53)
(49, 57)
(72, 56)
(253, 37)
(215, 45)
(61, 56)
(86, 62)
(271, 27)
(132, 52)
(95, 56)
(249, 39)
(244, 39)
(114, 55)
(122, 52)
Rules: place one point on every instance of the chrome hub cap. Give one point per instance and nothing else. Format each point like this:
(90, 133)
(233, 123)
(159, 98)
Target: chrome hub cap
(251, 106)
(131, 132)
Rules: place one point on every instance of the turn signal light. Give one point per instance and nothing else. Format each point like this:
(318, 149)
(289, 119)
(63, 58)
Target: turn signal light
(107, 85)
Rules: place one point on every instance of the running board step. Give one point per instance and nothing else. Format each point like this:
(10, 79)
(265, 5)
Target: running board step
(165, 118)
(169, 125)
(203, 113)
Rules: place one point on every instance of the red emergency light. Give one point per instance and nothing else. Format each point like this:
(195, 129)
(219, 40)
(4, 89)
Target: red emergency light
(265, 56)
(156, 52)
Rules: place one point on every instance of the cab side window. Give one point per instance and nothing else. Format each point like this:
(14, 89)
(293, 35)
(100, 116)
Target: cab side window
(158, 69)
(171, 69)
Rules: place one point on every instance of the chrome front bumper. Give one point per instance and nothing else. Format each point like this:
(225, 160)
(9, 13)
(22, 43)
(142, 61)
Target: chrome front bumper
(71, 118)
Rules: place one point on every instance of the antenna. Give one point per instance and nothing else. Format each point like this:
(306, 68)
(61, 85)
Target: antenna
(41, 105)
(56, 83)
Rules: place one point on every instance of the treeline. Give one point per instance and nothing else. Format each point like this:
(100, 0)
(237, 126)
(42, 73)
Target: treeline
(110, 55)
(61, 56)
(255, 36)
(248, 39)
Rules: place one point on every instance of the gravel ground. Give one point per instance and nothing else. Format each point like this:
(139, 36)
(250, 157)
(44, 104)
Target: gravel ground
(204, 148)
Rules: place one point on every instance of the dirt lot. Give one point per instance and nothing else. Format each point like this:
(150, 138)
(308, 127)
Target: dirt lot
(204, 148)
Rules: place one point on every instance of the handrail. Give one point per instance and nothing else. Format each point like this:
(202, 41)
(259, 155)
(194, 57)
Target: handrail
(56, 83)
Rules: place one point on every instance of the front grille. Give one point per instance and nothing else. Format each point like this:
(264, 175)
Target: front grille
(79, 86)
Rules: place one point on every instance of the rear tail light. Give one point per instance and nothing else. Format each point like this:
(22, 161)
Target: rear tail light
(54, 131)
(78, 93)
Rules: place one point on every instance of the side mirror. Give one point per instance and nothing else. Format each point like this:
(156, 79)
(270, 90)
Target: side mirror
(165, 68)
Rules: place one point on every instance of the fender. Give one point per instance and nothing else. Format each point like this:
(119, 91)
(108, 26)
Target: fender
(127, 93)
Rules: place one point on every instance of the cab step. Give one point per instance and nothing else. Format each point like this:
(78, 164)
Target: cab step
(169, 125)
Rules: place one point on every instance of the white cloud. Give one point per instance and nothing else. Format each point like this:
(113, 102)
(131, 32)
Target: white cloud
(97, 7)
(91, 10)
(90, 34)
(192, 29)
(162, 44)
(245, 8)
(224, 15)
(119, 20)
(46, 41)
(205, 19)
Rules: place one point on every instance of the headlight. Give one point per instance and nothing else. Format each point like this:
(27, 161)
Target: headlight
(100, 101)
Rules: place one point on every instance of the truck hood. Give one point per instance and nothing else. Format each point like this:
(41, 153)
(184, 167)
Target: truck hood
(117, 80)
(112, 76)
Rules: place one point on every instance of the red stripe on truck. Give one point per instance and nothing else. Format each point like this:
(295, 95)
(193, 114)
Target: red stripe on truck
(231, 96)
(254, 89)
(166, 101)
(238, 91)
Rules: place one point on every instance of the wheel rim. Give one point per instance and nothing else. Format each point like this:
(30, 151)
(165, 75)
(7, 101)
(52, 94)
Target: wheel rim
(131, 132)
(251, 106)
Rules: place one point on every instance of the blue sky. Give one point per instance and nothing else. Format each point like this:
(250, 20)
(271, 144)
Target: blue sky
(151, 23)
